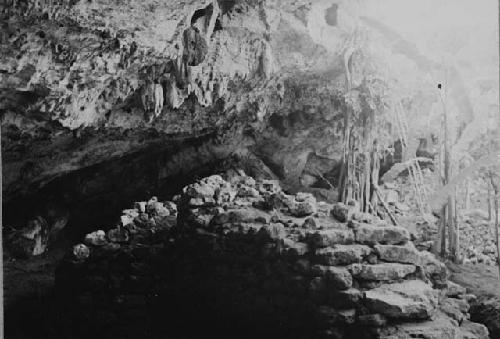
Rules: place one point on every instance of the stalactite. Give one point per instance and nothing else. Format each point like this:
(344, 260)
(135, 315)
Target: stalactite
(158, 98)
(174, 99)
(147, 97)
(267, 61)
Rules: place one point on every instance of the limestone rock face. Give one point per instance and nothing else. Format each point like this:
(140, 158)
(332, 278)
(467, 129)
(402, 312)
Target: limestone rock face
(85, 76)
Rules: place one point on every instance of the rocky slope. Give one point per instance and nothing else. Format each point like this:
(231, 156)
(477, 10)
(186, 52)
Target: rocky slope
(245, 259)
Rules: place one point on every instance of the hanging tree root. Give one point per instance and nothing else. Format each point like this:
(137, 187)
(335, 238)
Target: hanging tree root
(325, 179)
(386, 208)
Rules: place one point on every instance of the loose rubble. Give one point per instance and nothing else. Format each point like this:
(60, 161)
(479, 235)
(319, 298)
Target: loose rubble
(477, 242)
(251, 253)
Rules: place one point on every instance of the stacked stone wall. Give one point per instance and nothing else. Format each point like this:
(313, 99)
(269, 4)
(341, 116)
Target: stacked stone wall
(243, 259)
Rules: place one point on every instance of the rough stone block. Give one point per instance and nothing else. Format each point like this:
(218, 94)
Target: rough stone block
(295, 247)
(381, 272)
(97, 238)
(337, 277)
(406, 254)
(330, 237)
(342, 254)
(303, 208)
(474, 330)
(454, 290)
(372, 235)
(343, 212)
(412, 299)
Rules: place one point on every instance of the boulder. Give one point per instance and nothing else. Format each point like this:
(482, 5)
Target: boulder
(454, 290)
(156, 208)
(342, 254)
(441, 327)
(131, 212)
(337, 277)
(434, 269)
(171, 206)
(97, 238)
(363, 217)
(140, 206)
(372, 235)
(248, 214)
(311, 223)
(118, 235)
(303, 196)
(127, 219)
(295, 247)
(273, 231)
(411, 299)
(329, 237)
(246, 191)
(304, 205)
(381, 272)
(474, 330)
(452, 309)
(80, 252)
(343, 212)
(406, 254)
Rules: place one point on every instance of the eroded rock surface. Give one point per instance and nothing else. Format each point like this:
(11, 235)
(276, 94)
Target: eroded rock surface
(83, 82)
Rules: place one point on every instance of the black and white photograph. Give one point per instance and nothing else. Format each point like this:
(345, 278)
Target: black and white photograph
(250, 169)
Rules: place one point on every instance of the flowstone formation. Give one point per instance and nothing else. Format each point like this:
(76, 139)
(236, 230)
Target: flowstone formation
(236, 257)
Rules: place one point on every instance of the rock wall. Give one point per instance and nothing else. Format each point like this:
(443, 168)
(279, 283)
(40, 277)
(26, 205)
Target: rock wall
(237, 257)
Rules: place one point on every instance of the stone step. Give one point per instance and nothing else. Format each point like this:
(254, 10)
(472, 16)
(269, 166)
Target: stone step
(342, 254)
(381, 272)
(329, 237)
(411, 299)
(387, 235)
(405, 254)
(337, 277)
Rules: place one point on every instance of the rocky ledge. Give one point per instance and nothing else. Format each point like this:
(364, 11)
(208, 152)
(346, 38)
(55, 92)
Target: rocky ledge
(241, 258)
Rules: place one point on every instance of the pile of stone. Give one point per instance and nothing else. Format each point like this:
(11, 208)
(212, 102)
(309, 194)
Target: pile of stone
(245, 253)
(477, 241)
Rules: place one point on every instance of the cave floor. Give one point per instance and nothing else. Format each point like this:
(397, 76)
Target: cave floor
(481, 280)
(28, 292)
